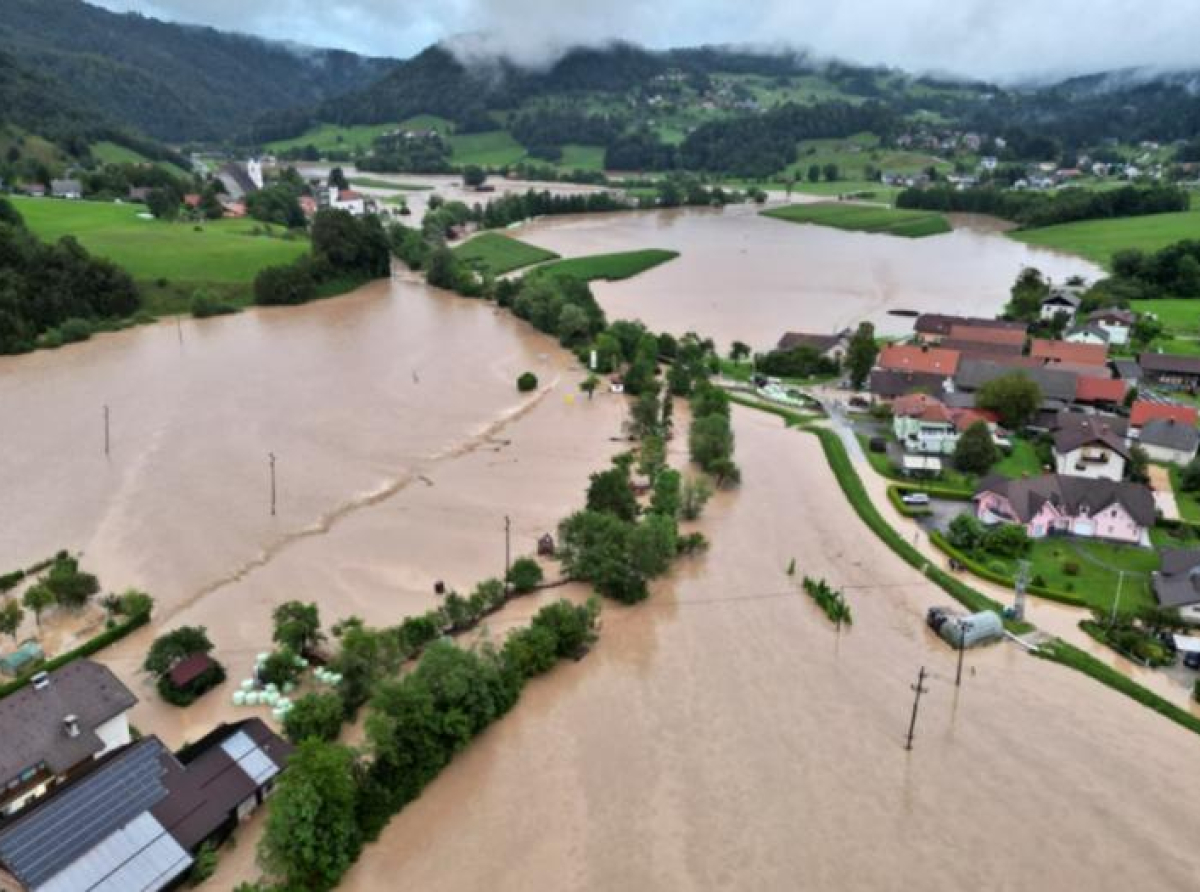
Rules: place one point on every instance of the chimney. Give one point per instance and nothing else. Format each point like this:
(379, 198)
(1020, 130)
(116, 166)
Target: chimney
(40, 681)
(71, 725)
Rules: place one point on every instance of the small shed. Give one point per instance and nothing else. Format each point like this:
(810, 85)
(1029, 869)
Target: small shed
(545, 545)
(29, 654)
(972, 630)
(189, 669)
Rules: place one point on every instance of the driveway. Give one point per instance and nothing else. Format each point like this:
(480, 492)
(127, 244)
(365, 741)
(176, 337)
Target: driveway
(1164, 495)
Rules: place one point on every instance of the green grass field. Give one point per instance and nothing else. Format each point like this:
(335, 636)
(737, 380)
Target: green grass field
(370, 183)
(495, 148)
(428, 122)
(610, 267)
(581, 157)
(333, 138)
(223, 252)
(490, 252)
(110, 153)
(1098, 240)
(1022, 460)
(863, 218)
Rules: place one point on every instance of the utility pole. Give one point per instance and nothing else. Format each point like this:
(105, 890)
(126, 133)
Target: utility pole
(964, 626)
(1022, 581)
(271, 457)
(179, 329)
(106, 430)
(507, 548)
(1112, 620)
(919, 689)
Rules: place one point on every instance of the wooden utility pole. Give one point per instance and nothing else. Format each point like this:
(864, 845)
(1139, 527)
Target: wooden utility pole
(271, 456)
(919, 689)
(964, 626)
(106, 430)
(179, 329)
(507, 548)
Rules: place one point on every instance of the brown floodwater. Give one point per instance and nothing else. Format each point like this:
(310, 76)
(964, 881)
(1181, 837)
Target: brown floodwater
(741, 276)
(723, 736)
(720, 736)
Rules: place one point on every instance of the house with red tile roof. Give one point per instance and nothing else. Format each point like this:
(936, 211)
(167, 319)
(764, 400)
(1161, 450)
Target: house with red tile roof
(1144, 411)
(1062, 351)
(910, 358)
(1092, 391)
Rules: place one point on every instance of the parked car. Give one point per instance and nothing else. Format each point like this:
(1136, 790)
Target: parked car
(915, 498)
(1192, 660)
(878, 444)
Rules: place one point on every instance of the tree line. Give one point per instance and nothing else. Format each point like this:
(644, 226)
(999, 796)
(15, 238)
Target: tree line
(1033, 209)
(54, 293)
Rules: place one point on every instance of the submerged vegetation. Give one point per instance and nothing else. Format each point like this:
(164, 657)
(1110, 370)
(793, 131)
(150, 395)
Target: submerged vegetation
(864, 218)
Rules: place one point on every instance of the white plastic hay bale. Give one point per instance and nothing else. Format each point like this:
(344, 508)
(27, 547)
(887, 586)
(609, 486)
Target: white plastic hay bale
(261, 658)
(239, 698)
(247, 684)
(252, 698)
(299, 662)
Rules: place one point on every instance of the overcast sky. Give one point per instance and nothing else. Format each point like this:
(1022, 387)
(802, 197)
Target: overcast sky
(998, 39)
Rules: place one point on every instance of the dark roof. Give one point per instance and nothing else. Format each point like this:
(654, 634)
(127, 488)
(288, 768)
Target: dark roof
(240, 177)
(1113, 314)
(819, 342)
(1127, 369)
(988, 334)
(1027, 495)
(888, 383)
(209, 782)
(189, 669)
(56, 833)
(1065, 419)
(1094, 330)
(31, 720)
(1177, 584)
(1089, 429)
(981, 349)
(940, 324)
(1054, 384)
(1169, 434)
(1060, 298)
(1169, 363)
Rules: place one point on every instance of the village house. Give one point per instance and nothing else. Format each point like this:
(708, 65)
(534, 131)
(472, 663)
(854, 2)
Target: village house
(137, 818)
(933, 327)
(1060, 301)
(1169, 441)
(1168, 370)
(1061, 352)
(240, 180)
(886, 385)
(1099, 392)
(56, 727)
(923, 424)
(1176, 584)
(1057, 386)
(832, 347)
(1088, 333)
(68, 189)
(1078, 506)
(1116, 323)
(1090, 448)
(1144, 411)
(910, 358)
(34, 190)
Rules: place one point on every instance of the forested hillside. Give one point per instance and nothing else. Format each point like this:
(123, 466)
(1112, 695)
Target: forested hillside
(172, 82)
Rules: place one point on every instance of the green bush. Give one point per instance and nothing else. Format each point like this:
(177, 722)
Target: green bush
(527, 382)
(1070, 568)
(204, 865)
(75, 330)
(315, 715)
(524, 575)
(205, 305)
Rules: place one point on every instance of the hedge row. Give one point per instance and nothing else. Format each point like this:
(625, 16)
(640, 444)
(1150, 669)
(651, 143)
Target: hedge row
(1059, 651)
(948, 493)
(92, 646)
(9, 581)
(985, 572)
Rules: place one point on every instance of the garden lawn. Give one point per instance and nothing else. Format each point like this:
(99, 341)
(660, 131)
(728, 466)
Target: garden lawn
(950, 478)
(610, 267)
(1179, 315)
(495, 148)
(581, 157)
(497, 254)
(1023, 460)
(864, 218)
(1098, 563)
(1098, 240)
(1188, 502)
(223, 252)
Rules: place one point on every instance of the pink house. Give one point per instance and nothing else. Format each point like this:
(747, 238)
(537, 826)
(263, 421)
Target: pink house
(1075, 506)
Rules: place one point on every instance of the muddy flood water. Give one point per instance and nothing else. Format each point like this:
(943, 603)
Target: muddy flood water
(741, 276)
(720, 736)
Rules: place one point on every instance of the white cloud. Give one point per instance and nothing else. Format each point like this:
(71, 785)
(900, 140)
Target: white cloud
(982, 38)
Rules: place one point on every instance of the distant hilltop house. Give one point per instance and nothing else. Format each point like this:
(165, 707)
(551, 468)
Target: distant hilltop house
(1077, 506)
(1062, 300)
(55, 727)
(832, 346)
(136, 818)
(240, 180)
(69, 189)
(345, 200)
(34, 190)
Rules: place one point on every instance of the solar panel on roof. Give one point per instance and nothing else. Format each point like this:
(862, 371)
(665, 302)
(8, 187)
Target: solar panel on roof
(250, 758)
(58, 832)
(139, 857)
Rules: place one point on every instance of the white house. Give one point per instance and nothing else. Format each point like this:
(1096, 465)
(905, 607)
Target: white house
(924, 425)
(1169, 441)
(254, 170)
(1090, 449)
(70, 189)
(346, 200)
(1117, 324)
(1087, 334)
(988, 162)
(1063, 300)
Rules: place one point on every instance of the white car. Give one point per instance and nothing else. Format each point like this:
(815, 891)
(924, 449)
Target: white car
(915, 498)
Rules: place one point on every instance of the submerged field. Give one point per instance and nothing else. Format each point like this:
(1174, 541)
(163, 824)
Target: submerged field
(610, 267)
(864, 218)
(1098, 240)
(497, 254)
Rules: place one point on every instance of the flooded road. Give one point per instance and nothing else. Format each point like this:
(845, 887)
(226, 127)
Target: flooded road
(722, 736)
(744, 277)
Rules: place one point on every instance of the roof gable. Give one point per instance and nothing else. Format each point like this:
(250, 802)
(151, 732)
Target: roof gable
(1064, 351)
(930, 360)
